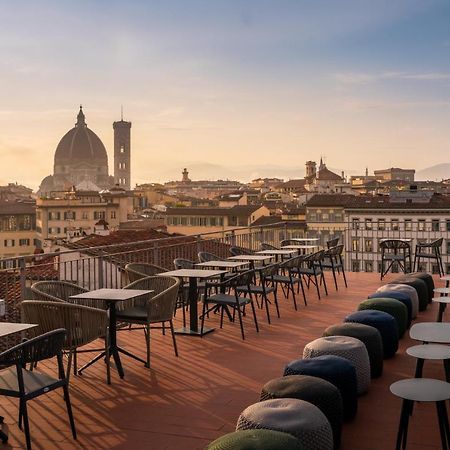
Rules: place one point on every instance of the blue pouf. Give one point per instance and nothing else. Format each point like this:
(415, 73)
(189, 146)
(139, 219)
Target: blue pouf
(384, 323)
(334, 369)
(401, 297)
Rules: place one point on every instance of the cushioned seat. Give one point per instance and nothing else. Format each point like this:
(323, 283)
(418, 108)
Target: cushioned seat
(419, 285)
(408, 290)
(391, 306)
(401, 297)
(314, 390)
(257, 439)
(384, 323)
(338, 371)
(134, 312)
(347, 347)
(301, 419)
(369, 336)
(428, 281)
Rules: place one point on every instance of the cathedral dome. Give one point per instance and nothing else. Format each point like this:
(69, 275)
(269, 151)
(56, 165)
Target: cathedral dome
(80, 143)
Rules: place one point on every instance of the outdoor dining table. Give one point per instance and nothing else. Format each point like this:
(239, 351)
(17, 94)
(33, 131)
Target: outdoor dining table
(111, 297)
(193, 275)
(437, 332)
(277, 252)
(301, 248)
(443, 301)
(251, 258)
(221, 264)
(304, 239)
(7, 328)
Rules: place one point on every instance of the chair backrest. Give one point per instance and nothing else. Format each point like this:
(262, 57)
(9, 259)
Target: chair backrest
(41, 347)
(56, 291)
(236, 251)
(267, 272)
(288, 242)
(437, 242)
(136, 271)
(334, 251)
(293, 262)
(393, 244)
(83, 324)
(315, 257)
(243, 279)
(333, 242)
(206, 256)
(160, 303)
(266, 246)
(181, 263)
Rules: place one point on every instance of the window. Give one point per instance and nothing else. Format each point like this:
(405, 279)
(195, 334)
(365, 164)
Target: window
(447, 269)
(54, 215)
(368, 266)
(408, 224)
(69, 215)
(381, 224)
(313, 217)
(85, 215)
(325, 217)
(448, 247)
(99, 215)
(394, 224)
(113, 214)
(9, 242)
(421, 225)
(355, 266)
(355, 224)
(23, 242)
(355, 244)
(122, 165)
(54, 230)
(435, 225)
(447, 224)
(368, 224)
(368, 245)
(122, 148)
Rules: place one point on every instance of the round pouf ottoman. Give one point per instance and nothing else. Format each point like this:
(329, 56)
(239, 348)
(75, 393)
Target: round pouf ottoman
(419, 285)
(346, 347)
(408, 290)
(399, 296)
(301, 419)
(428, 281)
(338, 371)
(391, 306)
(384, 323)
(369, 336)
(256, 439)
(314, 390)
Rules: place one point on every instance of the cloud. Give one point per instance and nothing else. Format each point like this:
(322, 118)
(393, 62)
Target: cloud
(366, 78)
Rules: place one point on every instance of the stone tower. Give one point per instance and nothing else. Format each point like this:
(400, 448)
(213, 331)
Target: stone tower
(122, 153)
(310, 168)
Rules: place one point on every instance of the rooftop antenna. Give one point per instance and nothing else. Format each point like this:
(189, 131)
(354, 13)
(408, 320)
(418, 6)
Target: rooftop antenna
(121, 113)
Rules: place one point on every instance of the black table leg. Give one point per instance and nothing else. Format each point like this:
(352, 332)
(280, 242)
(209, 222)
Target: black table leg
(442, 307)
(403, 426)
(419, 368)
(443, 424)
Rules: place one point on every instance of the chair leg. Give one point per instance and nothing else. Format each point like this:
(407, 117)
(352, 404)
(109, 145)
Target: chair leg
(322, 275)
(343, 274)
(275, 300)
(203, 318)
(75, 366)
(69, 410)
(266, 302)
(334, 277)
(26, 424)
(291, 285)
(173, 338)
(254, 317)
(240, 322)
(317, 284)
(69, 365)
(147, 344)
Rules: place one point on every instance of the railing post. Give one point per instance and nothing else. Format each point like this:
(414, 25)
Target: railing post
(156, 259)
(22, 278)
(233, 238)
(100, 272)
(198, 243)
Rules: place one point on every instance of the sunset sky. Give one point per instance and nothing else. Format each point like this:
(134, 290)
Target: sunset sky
(235, 83)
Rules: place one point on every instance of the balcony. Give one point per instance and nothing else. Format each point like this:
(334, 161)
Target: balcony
(188, 401)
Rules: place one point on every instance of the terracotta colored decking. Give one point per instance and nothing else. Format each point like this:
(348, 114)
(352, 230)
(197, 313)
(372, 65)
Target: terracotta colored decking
(185, 402)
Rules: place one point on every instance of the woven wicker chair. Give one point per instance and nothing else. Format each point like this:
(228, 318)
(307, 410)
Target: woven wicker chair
(155, 308)
(285, 242)
(136, 271)
(83, 324)
(236, 251)
(266, 246)
(60, 291)
(206, 256)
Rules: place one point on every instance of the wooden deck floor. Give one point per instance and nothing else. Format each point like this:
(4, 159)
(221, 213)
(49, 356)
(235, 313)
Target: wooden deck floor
(185, 402)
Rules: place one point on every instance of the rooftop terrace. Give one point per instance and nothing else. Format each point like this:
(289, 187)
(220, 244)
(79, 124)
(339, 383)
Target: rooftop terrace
(189, 401)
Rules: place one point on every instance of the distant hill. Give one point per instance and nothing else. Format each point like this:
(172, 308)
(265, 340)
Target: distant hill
(434, 173)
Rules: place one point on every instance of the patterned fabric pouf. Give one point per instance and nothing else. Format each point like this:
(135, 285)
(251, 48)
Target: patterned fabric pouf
(369, 336)
(338, 371)
(419, 285)
(257, 439)
(428, 281)
(408, 290)
(346, 347)
(314, 390)
(384, 323)
(391, 306)
(301, 419)
(399, 296)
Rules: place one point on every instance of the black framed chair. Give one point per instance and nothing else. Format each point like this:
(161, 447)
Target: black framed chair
(429, 250)
(288, 277)
(228, 298)
(207, 256)
(266, 246)
(262, 286)
(289, 242)
(333, 260)
(18, 382)
(312, 270)
(236, 251)
(332, 242)
(395, 252)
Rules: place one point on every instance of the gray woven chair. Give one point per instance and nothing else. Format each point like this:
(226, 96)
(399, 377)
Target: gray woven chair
(136, 271)
(206, 256)
(285, 242)
(266, 246)
(235, 251)
(61, 291)
(83, 324)
(151, 309)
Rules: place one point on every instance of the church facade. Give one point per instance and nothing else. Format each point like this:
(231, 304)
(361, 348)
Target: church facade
(81, 160)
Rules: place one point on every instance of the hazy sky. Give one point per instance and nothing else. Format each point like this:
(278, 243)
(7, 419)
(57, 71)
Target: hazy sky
(229, 82)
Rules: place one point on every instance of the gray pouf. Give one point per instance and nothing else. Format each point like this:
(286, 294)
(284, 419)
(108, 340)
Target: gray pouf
(409, 290)
(301, 419)
(346, 347)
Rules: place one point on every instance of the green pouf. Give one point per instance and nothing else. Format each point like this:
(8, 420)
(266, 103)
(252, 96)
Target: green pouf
(391, 306)
(369, 336)
(256, 440)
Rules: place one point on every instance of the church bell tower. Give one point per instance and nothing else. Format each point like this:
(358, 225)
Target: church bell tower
(122, 153)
